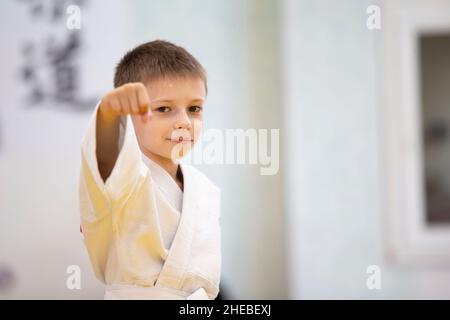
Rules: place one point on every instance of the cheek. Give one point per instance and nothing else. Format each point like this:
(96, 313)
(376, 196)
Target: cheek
(157, 129)
(143, 130)
(197, 127)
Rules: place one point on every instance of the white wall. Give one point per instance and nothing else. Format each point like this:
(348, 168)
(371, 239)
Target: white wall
(334, 206)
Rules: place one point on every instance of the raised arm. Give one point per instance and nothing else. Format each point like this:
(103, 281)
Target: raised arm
(131, 98)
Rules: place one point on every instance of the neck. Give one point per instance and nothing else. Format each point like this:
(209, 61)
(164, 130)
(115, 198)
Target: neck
(166, 164)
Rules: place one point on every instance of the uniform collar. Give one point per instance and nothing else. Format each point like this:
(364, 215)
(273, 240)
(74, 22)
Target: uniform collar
(165, 182)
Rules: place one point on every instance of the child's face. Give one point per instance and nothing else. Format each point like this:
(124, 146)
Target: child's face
(176, 105)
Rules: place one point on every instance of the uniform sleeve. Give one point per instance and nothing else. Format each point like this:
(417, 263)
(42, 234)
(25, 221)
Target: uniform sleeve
(100, 201)
(127, 169)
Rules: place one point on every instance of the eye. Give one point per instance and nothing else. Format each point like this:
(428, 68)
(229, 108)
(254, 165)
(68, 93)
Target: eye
(195, 109)
(163, 109)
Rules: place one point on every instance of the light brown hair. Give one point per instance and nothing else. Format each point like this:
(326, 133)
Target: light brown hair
(155, 60)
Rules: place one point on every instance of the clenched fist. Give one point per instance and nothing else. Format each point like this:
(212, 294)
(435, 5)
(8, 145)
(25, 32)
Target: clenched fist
(131, 98)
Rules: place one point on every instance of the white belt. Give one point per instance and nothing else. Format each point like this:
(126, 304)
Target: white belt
(134, 292)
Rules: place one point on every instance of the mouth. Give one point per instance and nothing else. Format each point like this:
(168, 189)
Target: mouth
(180, 140)
(178, 136)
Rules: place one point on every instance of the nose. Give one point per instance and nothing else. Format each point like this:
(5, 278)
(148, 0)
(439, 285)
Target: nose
(183, 121)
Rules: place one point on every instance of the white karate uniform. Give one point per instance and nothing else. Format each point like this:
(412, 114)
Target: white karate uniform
(145, 237)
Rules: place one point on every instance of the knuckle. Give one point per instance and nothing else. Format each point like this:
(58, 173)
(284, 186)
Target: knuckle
(129, 87)
(116, 107)
(107, 97)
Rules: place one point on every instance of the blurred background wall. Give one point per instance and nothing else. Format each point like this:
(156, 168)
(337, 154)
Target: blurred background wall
(330, 112)
(306, 67)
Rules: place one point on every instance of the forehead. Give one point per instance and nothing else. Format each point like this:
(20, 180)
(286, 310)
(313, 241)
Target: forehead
(177, 89)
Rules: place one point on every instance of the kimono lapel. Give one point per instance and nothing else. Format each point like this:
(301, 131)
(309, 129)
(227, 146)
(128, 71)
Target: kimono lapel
(178, 258)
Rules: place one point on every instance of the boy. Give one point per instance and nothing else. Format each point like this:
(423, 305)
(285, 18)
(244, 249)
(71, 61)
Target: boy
(150, 223)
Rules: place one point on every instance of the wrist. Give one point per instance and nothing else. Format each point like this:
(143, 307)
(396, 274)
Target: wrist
(106, 115)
